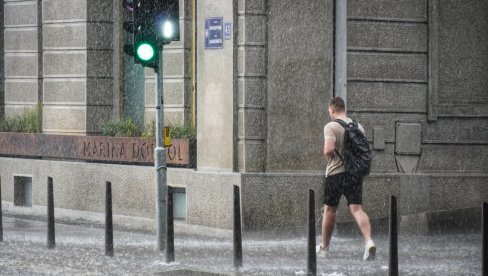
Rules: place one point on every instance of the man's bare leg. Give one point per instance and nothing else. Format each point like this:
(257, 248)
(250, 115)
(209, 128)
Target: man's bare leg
(362, 220)
(328, 224)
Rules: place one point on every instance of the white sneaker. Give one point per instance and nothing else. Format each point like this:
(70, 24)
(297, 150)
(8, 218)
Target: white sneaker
(369, 251)
(322, 252)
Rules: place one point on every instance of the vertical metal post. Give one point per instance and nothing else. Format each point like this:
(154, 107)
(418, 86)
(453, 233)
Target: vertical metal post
(393, 262)
(340, 50)
(237, 228)
(1, 222)
(311, 254)
(170, 241)
(484, 247)
(109, 233)
(160, 160)
(51, 239)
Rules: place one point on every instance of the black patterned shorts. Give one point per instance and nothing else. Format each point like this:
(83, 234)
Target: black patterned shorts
(343, 184)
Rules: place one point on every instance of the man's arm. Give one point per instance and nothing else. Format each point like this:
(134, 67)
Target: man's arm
(329, 148)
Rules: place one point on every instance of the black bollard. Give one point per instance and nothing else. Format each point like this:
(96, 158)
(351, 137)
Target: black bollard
(237, 229)
(311, 254)
(1, 223)
(170, 239)
(109, 231)
(51, 239)
(393, 263)
(484, 246)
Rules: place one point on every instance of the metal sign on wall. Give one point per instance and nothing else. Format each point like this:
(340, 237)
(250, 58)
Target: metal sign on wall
(94, 148)
(213, 33)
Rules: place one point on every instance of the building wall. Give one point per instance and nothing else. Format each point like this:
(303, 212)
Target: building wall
(417, 81)
(77, 65)
(299, 83)
(2, 67)
(23, 55)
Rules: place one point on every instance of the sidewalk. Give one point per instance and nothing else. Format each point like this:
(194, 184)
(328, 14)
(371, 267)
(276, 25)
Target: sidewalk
(80, 251)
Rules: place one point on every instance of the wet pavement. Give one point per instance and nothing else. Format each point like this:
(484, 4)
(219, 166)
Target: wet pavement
(80, 251)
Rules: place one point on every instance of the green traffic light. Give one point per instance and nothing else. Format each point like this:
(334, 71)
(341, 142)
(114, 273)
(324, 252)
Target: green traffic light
(145, 51)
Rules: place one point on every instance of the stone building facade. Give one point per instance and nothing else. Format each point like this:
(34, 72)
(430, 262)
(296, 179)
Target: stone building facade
(417, 79)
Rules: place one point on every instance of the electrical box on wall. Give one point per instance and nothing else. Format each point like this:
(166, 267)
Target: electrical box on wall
(408, 138)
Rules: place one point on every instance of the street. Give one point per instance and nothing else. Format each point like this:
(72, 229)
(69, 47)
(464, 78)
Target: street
(80, 251)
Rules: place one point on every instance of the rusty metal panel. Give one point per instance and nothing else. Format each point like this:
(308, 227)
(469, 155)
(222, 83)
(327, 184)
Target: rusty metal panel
(95, 148)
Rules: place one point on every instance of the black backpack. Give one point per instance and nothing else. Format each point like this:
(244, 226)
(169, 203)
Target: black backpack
(357, 154)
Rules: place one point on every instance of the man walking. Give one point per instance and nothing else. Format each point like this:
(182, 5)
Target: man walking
(338, 182)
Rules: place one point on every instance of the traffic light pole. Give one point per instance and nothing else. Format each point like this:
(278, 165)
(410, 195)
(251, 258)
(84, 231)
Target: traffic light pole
(160, 161)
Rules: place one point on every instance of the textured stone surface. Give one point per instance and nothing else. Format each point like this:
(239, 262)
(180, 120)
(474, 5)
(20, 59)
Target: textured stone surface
(392, 97)
(252, 62)
(387, 36)
(454, 158)
(278, 201)
(96, 116)
(21, 91)
(455, 191)
(21, 64)
(251, 6)
(387, 66)
(252, 30)
(210, 199)
(457, 129)
(414, 194)
(253, 158)
(253, 122)
(463, 51)
(397, 9)
(67, 63)
(81, 186)
(21, 39)
(299, 83)
(20, 13)
(61, 10)
(252, 91)
(60, 119)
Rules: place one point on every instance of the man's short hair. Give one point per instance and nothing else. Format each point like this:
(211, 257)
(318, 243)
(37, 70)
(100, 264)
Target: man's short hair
(337, 103)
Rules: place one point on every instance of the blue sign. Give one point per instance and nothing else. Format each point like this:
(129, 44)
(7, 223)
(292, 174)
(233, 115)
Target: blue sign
(213, 33)
(227, 31)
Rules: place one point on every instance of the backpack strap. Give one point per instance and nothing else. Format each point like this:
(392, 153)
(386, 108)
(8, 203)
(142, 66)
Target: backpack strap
(344, 125)
(341, 122)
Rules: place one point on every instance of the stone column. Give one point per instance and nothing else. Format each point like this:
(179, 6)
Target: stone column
(252, 56)
(2, 77)
(176, 76)
(22, 55)
(78, 79)
(216, 95)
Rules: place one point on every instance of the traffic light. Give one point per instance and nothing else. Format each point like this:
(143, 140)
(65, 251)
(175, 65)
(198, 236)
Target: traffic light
(145, 43)
(129, 27)
(167, 21)
(156, 23)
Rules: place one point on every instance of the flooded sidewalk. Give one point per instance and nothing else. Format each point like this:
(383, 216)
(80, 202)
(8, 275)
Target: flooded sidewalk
(80, 251)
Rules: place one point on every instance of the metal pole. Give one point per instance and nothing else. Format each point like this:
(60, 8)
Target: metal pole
(484, 230)
(1, 222)
(170, 241)
(109, 231)
(160, 160)
(311, 254)
(237, 229)
(393, 262)
(340, 47)
(51, 239)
